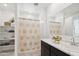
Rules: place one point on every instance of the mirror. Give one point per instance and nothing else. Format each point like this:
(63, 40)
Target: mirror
(76, 28)
(68, 27)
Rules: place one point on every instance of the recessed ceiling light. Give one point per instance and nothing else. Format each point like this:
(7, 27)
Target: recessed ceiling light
(5, 5)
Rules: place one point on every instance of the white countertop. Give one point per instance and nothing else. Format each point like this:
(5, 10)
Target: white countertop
(64, 46)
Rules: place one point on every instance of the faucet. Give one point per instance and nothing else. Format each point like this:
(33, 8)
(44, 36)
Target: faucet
(74, 43)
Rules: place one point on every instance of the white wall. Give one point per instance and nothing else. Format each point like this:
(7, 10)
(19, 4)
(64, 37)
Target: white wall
(28, 11)
(5, 16)
(56, 8)
(43, 23)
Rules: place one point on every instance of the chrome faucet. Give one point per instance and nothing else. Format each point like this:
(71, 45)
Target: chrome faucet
(74, 43)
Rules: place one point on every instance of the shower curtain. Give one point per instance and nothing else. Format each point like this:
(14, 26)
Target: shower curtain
(29, 43)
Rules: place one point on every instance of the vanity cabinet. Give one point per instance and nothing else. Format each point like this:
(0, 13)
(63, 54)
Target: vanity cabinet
(48, 50)
(57, 52)
(45, 49)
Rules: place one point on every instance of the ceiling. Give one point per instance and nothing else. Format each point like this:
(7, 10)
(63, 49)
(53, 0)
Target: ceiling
(11, 6)
(40, 5)
(71, 10)
(43, 5)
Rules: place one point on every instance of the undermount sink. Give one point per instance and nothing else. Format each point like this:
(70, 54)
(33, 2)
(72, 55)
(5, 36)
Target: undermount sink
(72, 48)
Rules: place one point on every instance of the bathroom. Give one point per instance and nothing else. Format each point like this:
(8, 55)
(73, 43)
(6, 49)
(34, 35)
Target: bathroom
(39, 29)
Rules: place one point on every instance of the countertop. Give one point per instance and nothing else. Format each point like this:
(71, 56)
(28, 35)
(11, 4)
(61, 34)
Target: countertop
(64, 46)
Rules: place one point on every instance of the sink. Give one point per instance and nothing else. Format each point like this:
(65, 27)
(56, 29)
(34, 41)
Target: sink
(73, 48)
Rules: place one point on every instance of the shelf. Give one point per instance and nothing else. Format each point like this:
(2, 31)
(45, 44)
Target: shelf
(8, 39)
(7, 51)
(7, 54)
(11, 31)
(8, 47)
(6, 42)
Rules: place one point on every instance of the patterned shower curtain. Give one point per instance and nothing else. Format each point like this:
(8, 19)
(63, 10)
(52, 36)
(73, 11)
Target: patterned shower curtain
(29, 43)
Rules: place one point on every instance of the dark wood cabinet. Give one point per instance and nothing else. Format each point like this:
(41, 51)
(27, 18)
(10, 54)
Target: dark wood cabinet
(45, 49)
(57, 52)
(48, 50)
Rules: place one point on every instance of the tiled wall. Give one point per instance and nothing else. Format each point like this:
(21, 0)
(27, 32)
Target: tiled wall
(29, 37)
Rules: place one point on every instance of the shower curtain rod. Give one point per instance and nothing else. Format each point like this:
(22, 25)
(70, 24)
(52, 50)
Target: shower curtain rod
(28, 19)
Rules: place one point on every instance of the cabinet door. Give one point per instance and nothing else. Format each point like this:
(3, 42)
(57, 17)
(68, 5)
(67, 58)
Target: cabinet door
(45, 49)
(56, 52)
